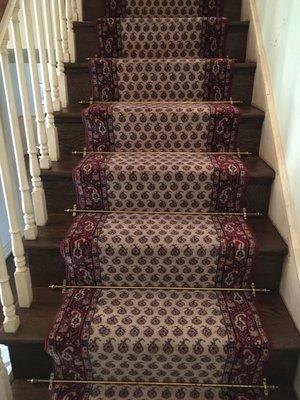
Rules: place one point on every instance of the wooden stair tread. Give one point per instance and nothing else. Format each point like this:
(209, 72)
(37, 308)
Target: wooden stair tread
(258, 169)
(37, 320)
(22, 390)
(73, 113)
(50, 235)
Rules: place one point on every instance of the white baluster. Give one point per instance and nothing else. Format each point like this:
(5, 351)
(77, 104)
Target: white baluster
(22, 274)
(11, 320)
(51, 56)
(71, 37)
(38, 194)
(75, 16)
(59, 54)
(45, 161)
(30, 230)
(63, 28)
(51, 128)
(5, 387)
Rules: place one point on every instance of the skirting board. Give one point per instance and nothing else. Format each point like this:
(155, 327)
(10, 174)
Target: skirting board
(281, 211)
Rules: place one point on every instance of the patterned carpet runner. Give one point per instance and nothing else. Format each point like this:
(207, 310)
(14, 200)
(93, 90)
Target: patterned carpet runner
(161, 182)
(155, 71)
(180, 126)
(158, 336)
(161, 79)
(164, 8)
(162, 37)
(159, 250)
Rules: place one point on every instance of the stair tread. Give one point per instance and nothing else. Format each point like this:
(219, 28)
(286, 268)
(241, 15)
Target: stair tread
(36, 321)
(74, 112)
(79, 24)
(22, 390)
(257, 168)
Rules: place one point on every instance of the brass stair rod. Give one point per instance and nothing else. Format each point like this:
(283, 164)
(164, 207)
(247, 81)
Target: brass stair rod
(190, 289)
(52, 381)
(244, 214)
(205, 153)
(231, 101)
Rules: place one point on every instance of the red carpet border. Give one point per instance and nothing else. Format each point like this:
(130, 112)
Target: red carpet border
(159, 250)
(162, 37)
(164, 8)
(161, 182)
(158, 335)
(161, 127)
(161, 79)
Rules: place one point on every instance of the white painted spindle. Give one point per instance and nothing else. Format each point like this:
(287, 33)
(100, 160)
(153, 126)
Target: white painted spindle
(63, 28)
(38, 194)
(59, 54)
(30, 230)
(11, 321)
(75, 10)
(51, 55)
(22, 274)
(51, 128)
(71, 37)
(5, 387)
(45, 161)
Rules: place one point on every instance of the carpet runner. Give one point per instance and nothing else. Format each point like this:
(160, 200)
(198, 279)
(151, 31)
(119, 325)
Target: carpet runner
(98, 392)
(158, 336)
(185, 79)
(162, 37)
(156, 71)
(180, 126)
(159, 250)
(163, 8)
(161, 182)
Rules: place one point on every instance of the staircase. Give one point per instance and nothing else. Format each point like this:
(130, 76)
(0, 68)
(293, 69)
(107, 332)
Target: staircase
(49, 267)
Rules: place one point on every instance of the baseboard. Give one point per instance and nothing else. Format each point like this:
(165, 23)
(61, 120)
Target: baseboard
(282, 210)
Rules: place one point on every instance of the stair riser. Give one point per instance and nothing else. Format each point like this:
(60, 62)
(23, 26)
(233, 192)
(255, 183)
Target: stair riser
(280, 370)
(70, 134)
(60, 194)
(93, 9)
(47, 268)
(79, 87)
(87, 44)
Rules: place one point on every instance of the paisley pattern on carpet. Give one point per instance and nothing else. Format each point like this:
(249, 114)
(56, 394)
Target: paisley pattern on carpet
(161, 127)
(161, 182)
(159, 250)
(158, 336)
(162, 37)
(164, 8)
(161, 79)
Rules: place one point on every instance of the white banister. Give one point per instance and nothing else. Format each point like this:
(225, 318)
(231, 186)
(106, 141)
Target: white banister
(45, 161)
(5, 387)
(63, 28)
(51, 128)
(51, 55)
(22, 274)
(11, 321)
(38, 194)
(30, 230)
(59, 54)
(71, 37)
(75, 10)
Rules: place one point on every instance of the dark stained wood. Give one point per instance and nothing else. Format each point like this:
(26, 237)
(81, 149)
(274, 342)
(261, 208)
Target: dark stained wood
(79, 83)
(87, 44)
(47, 266)
(37, 320)
(71, 137)
(23, 390)
(95, 9)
